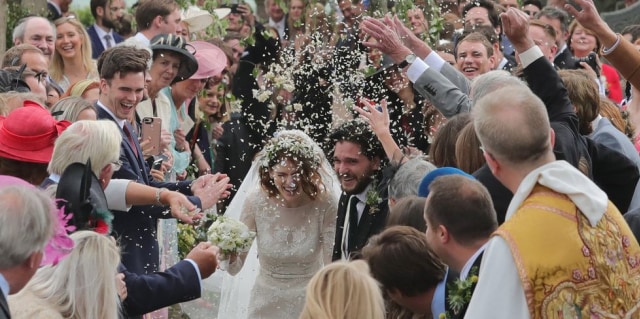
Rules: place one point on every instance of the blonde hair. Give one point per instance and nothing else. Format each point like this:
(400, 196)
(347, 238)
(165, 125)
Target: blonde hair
(56, 68)
(343, 290)
(83, 284)
(70, 107)
(98, 140)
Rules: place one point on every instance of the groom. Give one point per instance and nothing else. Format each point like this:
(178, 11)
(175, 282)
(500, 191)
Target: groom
(362, 208)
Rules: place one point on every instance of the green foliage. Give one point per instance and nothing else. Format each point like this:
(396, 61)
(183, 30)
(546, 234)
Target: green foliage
(191, 235)
(85, 16)
(15, 12)
(431, 13)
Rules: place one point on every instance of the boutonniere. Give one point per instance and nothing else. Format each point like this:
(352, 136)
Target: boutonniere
(460, 293)
(373, 200)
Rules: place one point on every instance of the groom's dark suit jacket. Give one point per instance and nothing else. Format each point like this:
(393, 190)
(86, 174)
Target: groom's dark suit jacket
(136, 229)
(4, 307)
(370, 224)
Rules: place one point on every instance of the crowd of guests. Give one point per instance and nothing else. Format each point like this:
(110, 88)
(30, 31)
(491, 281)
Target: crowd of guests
(485, 166)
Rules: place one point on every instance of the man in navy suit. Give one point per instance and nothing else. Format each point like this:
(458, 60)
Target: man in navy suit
(21, 204)
(460, 220)
(107, 14)
(122, 82)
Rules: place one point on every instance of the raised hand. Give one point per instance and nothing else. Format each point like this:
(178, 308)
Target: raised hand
(387, 40)
(378, 119)
(515, 24)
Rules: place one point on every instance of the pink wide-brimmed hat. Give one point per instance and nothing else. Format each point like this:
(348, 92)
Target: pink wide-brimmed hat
(211, 60)
(28, 133)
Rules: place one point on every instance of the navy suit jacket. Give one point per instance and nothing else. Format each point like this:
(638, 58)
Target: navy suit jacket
(136, 229)
(96, 43)
(146, 293)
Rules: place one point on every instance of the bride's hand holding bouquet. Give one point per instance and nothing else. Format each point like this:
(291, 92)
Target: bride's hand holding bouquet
(232, 237)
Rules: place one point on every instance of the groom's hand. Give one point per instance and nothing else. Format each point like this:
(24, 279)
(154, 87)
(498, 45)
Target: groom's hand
(205, 255)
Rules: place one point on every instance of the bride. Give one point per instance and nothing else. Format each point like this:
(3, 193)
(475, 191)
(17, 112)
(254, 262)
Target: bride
(289, 198)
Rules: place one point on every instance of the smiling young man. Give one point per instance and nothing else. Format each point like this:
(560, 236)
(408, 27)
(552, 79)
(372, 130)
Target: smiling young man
(474, 55)
(154, 17)
(363, 208)
(122, 82)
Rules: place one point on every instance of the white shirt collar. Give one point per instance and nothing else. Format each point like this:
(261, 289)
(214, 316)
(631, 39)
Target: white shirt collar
(106, 109)
(467, 267)
(280, 26)
(55, 178)
(101, 33)
(503, 62)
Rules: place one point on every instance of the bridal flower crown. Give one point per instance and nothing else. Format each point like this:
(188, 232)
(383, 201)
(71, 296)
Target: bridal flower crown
(291, 146)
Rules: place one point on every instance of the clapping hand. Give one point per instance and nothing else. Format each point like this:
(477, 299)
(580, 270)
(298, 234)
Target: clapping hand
(210, 188)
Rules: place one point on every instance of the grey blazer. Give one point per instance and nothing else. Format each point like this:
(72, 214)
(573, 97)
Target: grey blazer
(448, 90)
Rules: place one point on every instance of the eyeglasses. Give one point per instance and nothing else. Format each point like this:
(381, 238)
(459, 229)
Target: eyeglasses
(116, 9)
(41, 76)
(116, 165)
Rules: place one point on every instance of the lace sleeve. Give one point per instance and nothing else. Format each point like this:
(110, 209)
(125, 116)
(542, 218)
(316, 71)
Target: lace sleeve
(329, 227)
(247, 216)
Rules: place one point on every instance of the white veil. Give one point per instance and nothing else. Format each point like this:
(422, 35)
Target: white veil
(236, 290)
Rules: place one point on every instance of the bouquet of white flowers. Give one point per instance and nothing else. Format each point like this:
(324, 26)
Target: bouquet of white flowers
(230, 235)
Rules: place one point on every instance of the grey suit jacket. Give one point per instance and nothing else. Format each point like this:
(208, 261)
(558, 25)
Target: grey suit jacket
(610, 136)
(448, 90)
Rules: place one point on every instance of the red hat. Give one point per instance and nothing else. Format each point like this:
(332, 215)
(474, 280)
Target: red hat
(211, 60)
(27, 134)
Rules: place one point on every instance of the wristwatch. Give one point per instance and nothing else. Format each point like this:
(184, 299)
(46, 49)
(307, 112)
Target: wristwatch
(407, 60)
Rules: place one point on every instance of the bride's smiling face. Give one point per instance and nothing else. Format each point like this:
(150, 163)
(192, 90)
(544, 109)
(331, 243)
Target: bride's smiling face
(287, 178)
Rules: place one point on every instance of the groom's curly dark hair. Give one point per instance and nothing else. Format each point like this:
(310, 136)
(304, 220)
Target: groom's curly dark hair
(358, 132)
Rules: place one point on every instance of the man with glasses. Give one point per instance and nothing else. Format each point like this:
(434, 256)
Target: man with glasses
(108, 16)
(37, 31)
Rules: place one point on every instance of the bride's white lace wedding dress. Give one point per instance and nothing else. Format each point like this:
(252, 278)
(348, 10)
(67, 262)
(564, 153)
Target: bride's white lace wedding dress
(293, 244)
